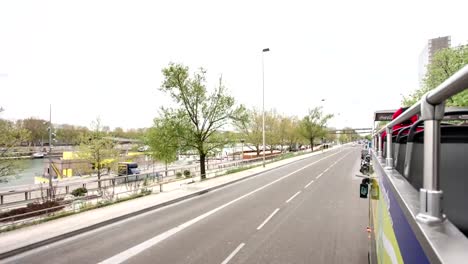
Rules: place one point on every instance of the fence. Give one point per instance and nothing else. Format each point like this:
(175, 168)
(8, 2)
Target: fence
(112, 189)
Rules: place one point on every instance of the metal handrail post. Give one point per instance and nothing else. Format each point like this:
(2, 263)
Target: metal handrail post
(379, 151)
(431, 210)
(374, 143)
(389, 158)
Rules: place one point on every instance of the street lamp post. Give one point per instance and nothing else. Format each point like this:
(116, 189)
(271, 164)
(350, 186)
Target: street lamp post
(50, 153)
(50, 129)
(263, 103)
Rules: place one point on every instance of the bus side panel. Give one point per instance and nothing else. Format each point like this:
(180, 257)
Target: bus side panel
(386, 244)
(395, 240)
(412, 251)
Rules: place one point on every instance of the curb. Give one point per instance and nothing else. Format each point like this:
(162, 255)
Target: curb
(51, 240)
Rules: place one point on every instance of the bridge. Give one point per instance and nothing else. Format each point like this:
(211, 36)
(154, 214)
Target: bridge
(351, 131)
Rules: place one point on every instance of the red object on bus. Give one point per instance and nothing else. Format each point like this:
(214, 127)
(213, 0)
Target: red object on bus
(406, 123)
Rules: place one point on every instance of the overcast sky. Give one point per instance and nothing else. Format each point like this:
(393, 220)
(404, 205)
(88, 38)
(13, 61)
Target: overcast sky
(104, 58)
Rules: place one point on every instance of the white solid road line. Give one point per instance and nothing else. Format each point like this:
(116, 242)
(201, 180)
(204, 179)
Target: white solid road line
(292, 197)
(321, 174)
(312, 181)
(233, 253)
(268, 219)
(135, 250)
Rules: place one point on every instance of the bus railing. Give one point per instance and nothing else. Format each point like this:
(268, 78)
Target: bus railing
(431, 108)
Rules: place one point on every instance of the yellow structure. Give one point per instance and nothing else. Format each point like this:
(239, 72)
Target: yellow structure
(69, 155)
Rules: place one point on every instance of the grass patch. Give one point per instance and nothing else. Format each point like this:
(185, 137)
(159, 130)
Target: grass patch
(240, 169)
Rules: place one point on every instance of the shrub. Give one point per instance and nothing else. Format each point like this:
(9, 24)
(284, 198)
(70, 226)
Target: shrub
(179, 174)
(32, 208)
(79, 192)
(146, 192)
(187, 173)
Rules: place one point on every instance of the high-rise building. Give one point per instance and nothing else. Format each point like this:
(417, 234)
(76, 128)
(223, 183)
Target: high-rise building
(425, 58)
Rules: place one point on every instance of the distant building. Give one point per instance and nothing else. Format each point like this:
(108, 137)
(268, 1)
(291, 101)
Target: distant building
(425, 58)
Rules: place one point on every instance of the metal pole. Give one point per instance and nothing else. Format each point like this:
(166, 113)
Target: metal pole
(263, 105)
(379, 151)
(389, 159)
(50, 152)
(374, 143)
(431, 154)
(50, 128)
(431, 208)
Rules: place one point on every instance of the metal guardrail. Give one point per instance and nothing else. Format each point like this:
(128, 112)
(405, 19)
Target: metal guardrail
(432, 107)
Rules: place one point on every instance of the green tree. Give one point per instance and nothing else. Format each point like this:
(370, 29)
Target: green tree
(272, 127)
(118, 132)
(368, 137)
(37, 130)
(69, 134)
(251, 129)
(293, 134)
(199, 115)
(283, 125)
(162, 140)
(348, 134)
(314, 124)
(444, 64)
(98, 149)
(10, 136)
(331, 135)
(135, 133)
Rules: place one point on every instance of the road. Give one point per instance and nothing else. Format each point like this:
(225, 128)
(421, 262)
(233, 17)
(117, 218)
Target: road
(306, 212)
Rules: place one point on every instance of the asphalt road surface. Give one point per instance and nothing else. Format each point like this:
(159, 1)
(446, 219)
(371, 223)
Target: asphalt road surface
(306, 212)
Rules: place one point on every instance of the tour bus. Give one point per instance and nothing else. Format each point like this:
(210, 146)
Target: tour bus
(418, 182)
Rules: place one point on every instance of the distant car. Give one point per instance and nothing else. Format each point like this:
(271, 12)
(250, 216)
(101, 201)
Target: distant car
(143, 148)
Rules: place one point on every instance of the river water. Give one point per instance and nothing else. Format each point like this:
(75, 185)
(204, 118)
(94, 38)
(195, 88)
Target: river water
(35, 167)
(29, 169)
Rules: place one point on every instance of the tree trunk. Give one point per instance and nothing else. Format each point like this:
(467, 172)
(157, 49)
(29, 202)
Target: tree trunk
(312, 144)
(99, 177)
(258, 151)
(202, 166)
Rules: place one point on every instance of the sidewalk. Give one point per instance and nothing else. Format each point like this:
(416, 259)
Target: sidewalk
(27, 238)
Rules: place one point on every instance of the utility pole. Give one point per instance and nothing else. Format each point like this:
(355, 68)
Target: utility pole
(50, 129)
(50, 153)
(263, 103)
